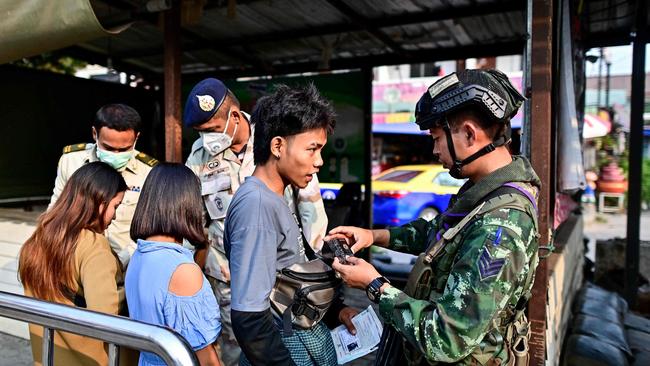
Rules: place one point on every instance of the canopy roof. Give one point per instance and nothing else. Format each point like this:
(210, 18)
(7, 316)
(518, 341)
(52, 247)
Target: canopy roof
(258, 37)
(295, 35)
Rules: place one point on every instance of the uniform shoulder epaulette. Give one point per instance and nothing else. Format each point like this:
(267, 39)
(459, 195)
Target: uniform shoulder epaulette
(75, 147)
(147, 159)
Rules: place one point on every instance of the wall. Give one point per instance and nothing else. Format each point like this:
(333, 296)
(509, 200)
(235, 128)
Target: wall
(565, 279)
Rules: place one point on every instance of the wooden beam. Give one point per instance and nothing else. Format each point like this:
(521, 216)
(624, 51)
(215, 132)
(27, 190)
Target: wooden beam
(349, 12)
(172, 62)
(542, 161)
(436, 54)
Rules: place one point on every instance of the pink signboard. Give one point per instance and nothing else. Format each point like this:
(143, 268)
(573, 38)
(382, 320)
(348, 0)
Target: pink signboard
(393, 104)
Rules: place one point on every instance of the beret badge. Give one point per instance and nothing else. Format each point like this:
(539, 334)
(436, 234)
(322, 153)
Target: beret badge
(206, 102)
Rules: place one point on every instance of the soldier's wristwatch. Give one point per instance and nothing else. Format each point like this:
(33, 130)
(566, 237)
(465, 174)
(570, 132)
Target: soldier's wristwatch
(373, 288)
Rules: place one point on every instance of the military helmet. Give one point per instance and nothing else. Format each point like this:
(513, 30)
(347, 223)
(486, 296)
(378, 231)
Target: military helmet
(487, 91)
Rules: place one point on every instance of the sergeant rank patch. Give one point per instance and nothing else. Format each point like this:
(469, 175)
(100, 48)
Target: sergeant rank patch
(488, 266)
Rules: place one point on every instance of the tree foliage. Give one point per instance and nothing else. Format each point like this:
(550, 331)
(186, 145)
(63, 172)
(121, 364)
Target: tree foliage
(53, 63)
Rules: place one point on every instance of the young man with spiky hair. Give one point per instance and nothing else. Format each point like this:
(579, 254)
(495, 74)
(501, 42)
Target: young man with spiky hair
(262, 235)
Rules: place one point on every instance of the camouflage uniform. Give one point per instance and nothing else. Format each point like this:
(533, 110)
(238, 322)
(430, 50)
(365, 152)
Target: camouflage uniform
(476, 281)
(221, 175)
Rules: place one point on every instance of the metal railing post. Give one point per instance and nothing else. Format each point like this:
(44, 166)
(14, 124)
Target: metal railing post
(115, 330)
(48, 346)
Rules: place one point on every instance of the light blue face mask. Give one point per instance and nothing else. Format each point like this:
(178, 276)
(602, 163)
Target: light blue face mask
(116, 160)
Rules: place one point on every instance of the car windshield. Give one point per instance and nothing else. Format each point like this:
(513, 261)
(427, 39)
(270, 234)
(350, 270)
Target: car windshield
(445, 179)
(401, 176)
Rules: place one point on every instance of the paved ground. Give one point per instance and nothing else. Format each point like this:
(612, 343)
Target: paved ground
(16, 351)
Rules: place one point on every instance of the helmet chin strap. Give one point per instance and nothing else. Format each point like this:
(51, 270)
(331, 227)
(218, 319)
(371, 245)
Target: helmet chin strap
(457, 166)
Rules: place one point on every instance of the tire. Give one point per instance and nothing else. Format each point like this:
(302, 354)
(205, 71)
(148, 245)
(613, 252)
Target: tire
(428, 213)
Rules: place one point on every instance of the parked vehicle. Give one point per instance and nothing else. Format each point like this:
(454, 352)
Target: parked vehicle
(405, 193)
(401, 195)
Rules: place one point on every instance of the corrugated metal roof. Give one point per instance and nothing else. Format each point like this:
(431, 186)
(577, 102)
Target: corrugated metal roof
(271, 36)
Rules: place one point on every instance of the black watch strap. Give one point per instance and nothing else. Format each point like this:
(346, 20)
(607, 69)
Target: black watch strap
(372, 291)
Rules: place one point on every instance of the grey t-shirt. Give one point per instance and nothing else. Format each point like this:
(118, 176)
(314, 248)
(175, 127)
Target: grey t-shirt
(261, 236)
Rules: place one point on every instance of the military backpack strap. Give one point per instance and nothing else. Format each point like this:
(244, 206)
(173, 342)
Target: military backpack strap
(148, 160)
(75, 147)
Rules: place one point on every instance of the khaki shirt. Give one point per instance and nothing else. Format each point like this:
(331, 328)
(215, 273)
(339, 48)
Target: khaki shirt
(135, 172)
(221, 176)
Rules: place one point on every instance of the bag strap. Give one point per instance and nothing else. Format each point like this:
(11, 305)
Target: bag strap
(309, 252)
(493, 201)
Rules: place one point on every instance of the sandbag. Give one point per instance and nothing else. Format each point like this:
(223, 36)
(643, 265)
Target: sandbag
(582, 350)
(597, 328)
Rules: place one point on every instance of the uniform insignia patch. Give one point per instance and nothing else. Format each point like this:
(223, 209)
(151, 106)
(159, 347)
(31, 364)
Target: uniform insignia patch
(75, 147)
(135, 189)
(152, 162)
(213, 164)
(442, 84)
(488, 266)
(206, 102)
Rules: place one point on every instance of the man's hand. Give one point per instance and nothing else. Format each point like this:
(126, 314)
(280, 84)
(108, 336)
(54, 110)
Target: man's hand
(359, 238)
(345, 316)
(357, 274)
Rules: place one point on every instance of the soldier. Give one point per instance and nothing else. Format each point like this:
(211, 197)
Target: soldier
(115, 130)
(222, 157)
(465, 298)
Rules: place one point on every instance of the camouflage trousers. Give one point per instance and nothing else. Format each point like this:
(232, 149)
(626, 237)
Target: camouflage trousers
(227, 347)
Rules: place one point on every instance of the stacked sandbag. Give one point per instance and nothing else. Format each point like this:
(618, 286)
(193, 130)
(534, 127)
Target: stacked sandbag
(604, 332)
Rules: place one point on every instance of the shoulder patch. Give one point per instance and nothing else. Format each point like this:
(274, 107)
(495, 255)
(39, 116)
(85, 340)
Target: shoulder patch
(152, 162)
(488, 266)
(75, 147)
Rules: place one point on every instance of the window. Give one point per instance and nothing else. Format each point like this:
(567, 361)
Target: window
(445, 179)
(401, 176)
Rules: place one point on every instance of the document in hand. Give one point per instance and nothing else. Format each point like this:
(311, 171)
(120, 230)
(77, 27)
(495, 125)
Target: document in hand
(349, 346)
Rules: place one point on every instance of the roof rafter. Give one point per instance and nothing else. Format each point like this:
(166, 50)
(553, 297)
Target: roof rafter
(455, 13)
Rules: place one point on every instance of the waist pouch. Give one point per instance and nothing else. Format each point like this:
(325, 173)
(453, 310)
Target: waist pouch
(302, 294)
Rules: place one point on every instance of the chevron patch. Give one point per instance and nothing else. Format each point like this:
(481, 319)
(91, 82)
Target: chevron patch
(487, 266)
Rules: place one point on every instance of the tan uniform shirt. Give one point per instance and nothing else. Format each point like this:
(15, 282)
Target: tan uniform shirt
(100, 282)
(221, 176)
(135, 172)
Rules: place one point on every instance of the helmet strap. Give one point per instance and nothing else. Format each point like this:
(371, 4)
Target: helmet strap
(458, 164)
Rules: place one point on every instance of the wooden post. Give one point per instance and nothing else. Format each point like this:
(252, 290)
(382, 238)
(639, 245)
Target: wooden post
(172, 63)
(541, 143)
(460, 65)
(636, 154)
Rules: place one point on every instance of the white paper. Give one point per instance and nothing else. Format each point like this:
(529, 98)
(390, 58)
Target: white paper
(348, 346)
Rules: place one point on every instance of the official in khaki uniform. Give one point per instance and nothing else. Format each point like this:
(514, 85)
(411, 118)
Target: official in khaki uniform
(222, 157)
(115, 130)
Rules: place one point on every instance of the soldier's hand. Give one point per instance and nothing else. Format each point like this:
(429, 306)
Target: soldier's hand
(357, 274)
(345, 316)
(359, 238)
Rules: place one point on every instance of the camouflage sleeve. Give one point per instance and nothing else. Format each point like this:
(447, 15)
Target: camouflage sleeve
(412, 237)
(488, 273)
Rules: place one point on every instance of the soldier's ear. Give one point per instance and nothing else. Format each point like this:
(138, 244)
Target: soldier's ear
(469, 133)
(94, 132)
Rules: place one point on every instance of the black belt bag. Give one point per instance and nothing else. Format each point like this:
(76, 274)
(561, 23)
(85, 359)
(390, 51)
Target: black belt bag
(303, 293)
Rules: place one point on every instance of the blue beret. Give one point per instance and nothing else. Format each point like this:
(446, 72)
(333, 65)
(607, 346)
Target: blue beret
(204, 101)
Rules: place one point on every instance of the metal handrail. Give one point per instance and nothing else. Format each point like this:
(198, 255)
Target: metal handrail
(114, 330)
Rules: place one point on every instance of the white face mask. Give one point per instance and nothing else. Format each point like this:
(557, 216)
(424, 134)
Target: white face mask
(216, 142)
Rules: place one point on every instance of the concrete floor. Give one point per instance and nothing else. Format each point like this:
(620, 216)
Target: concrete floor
(15, 351)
